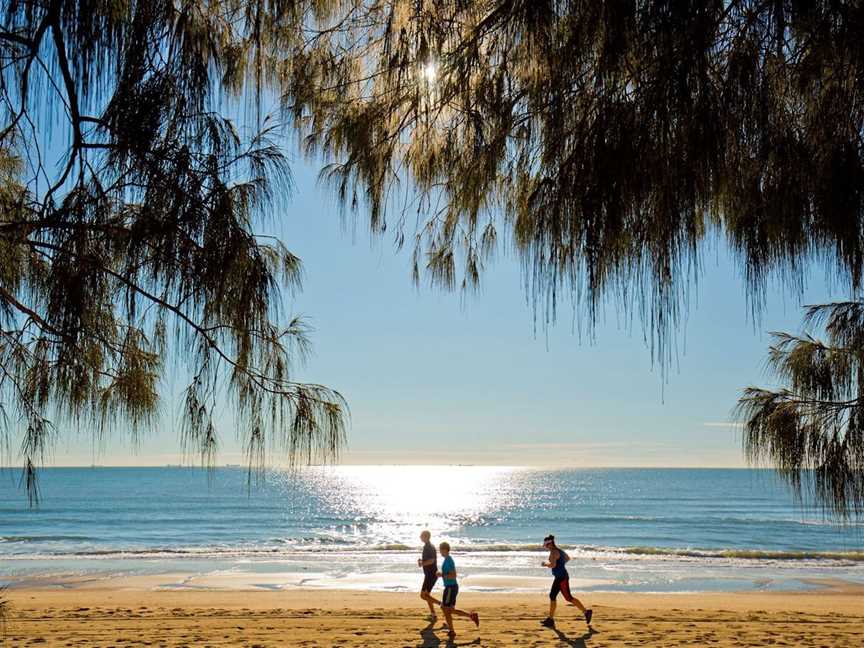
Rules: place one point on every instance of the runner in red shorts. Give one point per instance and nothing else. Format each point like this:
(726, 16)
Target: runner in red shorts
(557, 559)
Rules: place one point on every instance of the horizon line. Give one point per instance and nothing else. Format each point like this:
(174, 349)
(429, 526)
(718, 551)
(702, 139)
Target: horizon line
(409, 465)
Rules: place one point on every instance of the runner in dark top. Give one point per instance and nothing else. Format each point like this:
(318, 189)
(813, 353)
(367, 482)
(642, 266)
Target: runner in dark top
(557, 561)
(429, 563)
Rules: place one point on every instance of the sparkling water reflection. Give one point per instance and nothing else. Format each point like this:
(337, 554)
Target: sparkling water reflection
(392, 504)
(636, 529)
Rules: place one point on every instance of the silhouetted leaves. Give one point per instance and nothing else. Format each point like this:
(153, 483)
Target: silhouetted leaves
(604, 140)
(135, 250)
(812, 429)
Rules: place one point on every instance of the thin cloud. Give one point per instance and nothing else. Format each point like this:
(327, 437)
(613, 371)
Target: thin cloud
(583, 446)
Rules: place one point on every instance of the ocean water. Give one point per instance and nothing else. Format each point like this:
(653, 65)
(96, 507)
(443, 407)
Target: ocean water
(357, 527)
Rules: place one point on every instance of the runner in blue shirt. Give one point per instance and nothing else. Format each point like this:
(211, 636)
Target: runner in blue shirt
(451, 591)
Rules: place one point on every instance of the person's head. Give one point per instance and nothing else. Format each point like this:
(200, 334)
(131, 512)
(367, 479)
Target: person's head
(444, 548)
(425, 536)
(549, 541)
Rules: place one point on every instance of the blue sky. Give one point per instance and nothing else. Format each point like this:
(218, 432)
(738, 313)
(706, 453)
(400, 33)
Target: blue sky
(434, 378)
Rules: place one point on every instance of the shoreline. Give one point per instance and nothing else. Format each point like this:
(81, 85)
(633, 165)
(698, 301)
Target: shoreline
(155, 584)
(400, 583)
(103, 616)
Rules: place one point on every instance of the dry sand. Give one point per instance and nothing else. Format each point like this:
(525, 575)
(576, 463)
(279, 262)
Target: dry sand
(138, 616)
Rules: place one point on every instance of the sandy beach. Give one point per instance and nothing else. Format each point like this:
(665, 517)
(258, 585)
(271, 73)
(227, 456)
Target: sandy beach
(134, 614)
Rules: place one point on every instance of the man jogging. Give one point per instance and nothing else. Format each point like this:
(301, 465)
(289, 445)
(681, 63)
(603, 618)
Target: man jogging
(557, 559)
(429, 562)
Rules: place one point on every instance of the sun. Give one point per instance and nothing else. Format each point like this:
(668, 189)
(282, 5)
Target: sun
(429, 72)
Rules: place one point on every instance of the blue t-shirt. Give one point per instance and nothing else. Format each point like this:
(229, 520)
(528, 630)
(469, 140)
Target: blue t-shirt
(448, 566)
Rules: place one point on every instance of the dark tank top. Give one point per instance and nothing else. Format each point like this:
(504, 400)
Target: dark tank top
(559, 570)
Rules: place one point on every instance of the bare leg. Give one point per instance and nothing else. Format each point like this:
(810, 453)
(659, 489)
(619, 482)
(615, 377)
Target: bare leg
(577, 603)
(572, 600)
(467, 615)
(552, 606)
(430, 601)
(448, 614)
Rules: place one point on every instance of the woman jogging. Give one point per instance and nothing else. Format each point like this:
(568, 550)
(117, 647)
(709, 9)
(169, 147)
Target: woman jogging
(557, 559)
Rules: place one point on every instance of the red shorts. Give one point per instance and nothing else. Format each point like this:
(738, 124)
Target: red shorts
(561, 584)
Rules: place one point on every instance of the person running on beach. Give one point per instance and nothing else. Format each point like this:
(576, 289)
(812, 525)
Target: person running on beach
(429, 563)
(557, 559)
(451, 591)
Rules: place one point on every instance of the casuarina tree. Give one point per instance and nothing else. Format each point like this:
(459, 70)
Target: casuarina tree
(604, 142)
(812, 427)
(128, 240)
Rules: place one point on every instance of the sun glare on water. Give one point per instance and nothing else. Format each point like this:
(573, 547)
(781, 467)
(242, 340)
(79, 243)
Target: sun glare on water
(397, 502)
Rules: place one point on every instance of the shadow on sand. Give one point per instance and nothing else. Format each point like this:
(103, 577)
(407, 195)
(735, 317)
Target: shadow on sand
(430, 640)
(575, 642)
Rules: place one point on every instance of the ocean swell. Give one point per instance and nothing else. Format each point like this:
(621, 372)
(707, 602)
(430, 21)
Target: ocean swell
(578, 552)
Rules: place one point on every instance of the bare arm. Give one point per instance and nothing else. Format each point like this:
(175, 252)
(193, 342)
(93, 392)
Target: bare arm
(553, 558)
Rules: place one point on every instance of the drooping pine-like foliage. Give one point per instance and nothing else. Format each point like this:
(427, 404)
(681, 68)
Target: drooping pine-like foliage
(128, 243)
(605, 140)
(812, 429)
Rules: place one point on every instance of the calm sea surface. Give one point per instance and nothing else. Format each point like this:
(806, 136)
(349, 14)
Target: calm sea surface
(357, 527)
